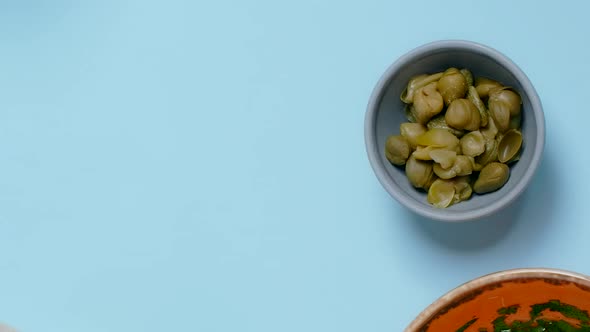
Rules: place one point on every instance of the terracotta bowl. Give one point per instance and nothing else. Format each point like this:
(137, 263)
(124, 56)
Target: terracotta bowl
(529, 297)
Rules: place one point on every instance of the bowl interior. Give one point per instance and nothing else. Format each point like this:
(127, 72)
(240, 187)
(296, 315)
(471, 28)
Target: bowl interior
(525, 296)
(390, 114)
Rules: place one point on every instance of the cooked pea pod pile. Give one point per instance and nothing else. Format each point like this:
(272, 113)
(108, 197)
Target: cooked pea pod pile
(461, 135)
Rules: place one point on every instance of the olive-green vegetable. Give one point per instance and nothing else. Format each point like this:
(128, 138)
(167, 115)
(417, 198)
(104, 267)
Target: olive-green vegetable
(416, 83)
(483, 86)
(457, 125)
(442, 173)
(503, 104)
(438, 138)
(489, 155)
(468, 76)
(423, 152)
(427, 103)
(490, 131)
(491, 178)
(397, 150)
(501, 115)
(462, 114)
(409, 110)
(463, 189)
(462, 166)
(481, 108)
(445, 158)
(508, 97)
(419, 173)
(441, 193)
(509, 145)
(444, 193)
(411, 131)
(452, 85)
(473, 144)
(440, 123)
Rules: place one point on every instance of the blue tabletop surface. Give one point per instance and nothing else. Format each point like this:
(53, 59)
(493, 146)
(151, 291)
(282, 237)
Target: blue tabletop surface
(200, 166)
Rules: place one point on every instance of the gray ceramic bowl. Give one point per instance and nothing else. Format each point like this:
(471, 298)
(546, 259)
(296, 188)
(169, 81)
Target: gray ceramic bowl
(385, 114)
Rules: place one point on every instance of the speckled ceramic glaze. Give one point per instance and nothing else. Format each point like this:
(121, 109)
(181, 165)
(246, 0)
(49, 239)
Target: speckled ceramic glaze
(480, 300)
(385, 114)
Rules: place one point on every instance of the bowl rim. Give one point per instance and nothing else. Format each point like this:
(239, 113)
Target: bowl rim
(493, 278)
(371, 141)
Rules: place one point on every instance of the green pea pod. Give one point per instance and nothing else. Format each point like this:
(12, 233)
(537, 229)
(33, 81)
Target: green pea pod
(423, 152)
(509, 146)
(419, 173)
(468, 76)
(444, 193)
(462, 166)
(473, 144)
(439, 122)
(474, 98)
(441, 193)
(484, 85)
(489, 155)
(397, 150)
(427, 103)
(416, 83)
(463, 189)
(445, 158)
(491, 178)
(452, 85)
(411, 132)
(507, 96)
(501, 115)
(409, 109)
(490, 131)
(438, 138)
(462, 114)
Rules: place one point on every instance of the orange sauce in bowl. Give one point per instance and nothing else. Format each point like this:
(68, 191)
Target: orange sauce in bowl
(483, 304)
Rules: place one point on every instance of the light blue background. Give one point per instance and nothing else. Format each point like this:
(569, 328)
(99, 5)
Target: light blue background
(200, 166)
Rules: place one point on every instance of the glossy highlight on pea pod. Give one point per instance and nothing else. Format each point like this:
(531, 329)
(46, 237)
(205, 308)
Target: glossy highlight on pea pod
(462, 134)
